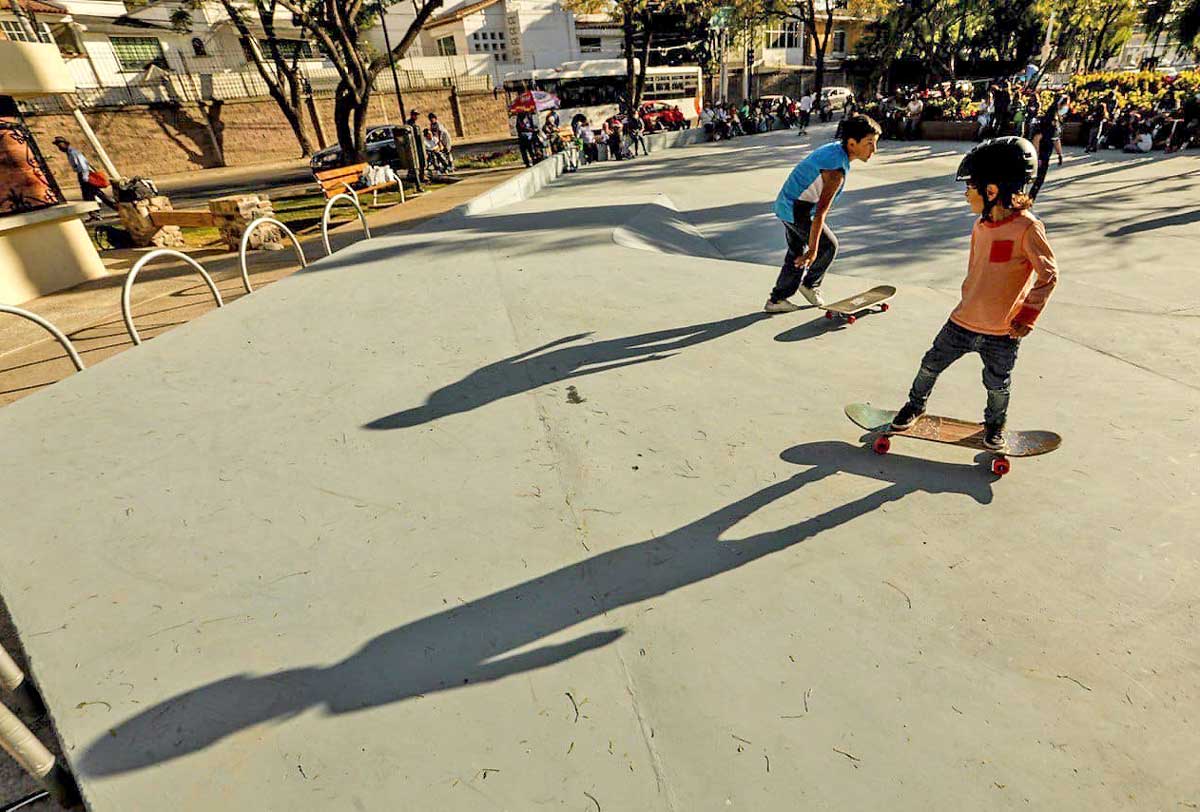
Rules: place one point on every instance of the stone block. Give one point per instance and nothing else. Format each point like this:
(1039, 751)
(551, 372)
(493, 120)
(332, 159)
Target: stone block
(234, 213)
(135, 218)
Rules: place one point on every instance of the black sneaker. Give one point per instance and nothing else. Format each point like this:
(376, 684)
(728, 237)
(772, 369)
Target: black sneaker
(907, 416)
(993, 436)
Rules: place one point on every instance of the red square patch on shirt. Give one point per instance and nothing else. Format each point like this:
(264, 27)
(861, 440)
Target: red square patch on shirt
(1002, 251)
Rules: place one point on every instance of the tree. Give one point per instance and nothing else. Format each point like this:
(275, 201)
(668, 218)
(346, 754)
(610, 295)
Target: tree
(285, 84)
(282, 76)
(1178, 19)
(1088, 32)
(339, 27)
(807, 14)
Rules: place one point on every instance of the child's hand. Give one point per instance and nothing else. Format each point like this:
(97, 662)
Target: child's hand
(1019, 330)
(807, 259)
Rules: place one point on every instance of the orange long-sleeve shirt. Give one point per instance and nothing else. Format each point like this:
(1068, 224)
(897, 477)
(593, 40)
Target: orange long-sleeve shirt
(1010, 275)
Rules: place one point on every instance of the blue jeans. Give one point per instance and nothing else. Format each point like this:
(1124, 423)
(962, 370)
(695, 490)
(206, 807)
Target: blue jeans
(791, 277)
(999, 354)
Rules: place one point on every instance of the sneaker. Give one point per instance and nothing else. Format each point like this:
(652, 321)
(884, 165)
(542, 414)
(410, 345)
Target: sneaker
(908, 415)
(812, 296)
(782, 306)
(993, 436)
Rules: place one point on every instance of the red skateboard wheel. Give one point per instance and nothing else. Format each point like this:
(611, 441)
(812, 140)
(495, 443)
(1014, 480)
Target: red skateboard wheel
(883, 308)
(1001, 466)
(881, 445)
(851, 319)
(829, 314)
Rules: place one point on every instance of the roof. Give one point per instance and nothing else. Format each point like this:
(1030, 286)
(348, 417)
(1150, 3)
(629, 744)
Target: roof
(42, 7)
(458, 10)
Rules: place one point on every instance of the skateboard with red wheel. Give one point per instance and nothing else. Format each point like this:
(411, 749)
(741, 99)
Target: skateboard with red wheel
(851, 308)
(954, 432)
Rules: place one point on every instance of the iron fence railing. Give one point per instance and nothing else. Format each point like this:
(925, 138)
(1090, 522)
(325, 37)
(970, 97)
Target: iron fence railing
(107, 83)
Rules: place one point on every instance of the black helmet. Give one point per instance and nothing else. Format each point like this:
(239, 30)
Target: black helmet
(1010, 163)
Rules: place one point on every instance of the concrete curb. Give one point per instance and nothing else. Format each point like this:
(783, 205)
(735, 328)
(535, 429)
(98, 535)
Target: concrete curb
(534, 179)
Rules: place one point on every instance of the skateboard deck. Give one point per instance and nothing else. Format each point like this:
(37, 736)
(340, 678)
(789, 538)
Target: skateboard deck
(850, 307)
(954, 432)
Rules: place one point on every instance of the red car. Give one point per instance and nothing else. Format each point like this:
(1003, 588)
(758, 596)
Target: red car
(668, 115)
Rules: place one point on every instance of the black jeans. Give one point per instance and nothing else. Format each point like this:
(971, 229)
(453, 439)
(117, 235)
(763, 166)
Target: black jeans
(637, 139)
(999, 354)
(1043, 166)
(93, 194)
(791, 277)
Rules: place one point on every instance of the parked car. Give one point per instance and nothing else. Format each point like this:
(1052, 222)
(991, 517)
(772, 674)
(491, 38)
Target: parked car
(380, 148)
(838, 96)
(668, 115)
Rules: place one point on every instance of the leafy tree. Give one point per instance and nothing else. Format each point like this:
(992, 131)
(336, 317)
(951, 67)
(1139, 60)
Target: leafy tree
(339, 26)
(282, 74)
(1088, 33)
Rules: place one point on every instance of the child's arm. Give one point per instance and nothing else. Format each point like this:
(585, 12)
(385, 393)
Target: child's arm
(1041, 258)
(832, 181)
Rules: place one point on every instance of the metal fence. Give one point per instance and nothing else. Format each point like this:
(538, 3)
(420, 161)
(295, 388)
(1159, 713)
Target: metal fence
(176, 78)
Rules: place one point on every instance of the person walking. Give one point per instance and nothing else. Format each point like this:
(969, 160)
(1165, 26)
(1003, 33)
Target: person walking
(1047, 139)
(91, 182)
(806, 106)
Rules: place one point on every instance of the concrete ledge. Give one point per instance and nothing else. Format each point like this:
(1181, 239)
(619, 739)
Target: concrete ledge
(535, 178)
(659, 227)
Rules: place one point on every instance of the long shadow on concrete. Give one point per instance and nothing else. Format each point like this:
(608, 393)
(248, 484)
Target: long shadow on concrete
(473, 643)
(543, 365)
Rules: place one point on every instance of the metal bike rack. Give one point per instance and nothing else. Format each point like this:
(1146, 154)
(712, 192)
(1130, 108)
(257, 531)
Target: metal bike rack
(51, 329)
(126, 312)
(246, 244)
(362, 218)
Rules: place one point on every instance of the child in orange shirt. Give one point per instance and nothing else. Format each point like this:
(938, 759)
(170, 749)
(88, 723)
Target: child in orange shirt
(1010, 275)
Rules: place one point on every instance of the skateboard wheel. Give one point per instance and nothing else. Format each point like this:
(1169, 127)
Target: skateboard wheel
(1000, 466)
(851, 319)
(883, 308)
(881, 445)
(829, 314)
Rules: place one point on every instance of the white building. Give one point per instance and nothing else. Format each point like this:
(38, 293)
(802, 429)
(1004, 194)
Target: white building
(519, 34)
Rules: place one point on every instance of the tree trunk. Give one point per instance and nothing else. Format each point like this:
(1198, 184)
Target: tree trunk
(630, 73)
(346, 129)
(640, 89)
(290, 110)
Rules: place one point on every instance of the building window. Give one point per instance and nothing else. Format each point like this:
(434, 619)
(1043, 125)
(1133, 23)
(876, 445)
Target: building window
(784, 34)
(198, 48)
(445, 46)
(138, 53)
(489, 42)
(839, 41)
(17, 33)
(589, 45)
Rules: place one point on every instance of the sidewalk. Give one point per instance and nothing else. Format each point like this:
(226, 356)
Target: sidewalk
(171, 294)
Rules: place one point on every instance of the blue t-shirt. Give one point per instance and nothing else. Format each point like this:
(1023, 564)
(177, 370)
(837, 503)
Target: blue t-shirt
(805, 182)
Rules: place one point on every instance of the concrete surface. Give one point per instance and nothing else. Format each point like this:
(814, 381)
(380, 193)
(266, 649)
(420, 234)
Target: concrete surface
(500, 514)
(168, 294)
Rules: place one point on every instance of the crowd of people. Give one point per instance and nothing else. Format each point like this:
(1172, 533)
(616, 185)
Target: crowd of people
(1010, 107)
(726, 120)
(618, 137)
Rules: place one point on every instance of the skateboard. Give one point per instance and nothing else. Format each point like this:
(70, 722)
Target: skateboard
(954, 432)
(849, 309)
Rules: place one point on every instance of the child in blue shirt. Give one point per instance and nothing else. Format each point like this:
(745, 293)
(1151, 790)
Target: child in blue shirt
(802, 205)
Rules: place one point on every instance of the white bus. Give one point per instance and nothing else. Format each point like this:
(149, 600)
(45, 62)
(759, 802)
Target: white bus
(593, 88)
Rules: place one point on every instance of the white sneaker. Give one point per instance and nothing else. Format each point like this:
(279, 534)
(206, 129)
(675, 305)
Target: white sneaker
(812, 296)
(782, 306)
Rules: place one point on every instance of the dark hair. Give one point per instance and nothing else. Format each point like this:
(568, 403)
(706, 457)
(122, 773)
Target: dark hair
(858, 127)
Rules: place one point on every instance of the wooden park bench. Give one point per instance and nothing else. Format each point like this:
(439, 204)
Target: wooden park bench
(343, 178)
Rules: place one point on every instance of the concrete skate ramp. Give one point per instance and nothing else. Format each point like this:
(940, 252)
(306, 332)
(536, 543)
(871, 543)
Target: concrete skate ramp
(658, 226)
(498, 514)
